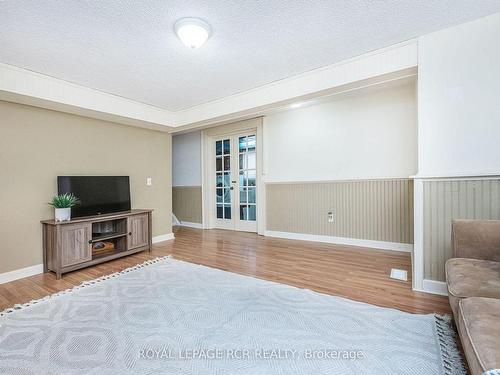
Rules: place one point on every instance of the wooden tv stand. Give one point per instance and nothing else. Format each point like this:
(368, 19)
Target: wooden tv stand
(70, 245)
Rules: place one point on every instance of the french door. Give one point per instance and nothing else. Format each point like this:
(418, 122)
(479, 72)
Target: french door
(235, 179)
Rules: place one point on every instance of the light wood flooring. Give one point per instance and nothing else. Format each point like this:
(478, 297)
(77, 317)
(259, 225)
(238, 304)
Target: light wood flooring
(352, 272)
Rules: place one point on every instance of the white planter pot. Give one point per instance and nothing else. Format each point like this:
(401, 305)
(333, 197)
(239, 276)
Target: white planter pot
(63, 214)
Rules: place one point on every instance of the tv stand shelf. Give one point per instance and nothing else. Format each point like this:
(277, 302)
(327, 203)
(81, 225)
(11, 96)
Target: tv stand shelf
(108, 237)
(71, 245)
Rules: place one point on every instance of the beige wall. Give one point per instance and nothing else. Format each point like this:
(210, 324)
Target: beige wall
(378, 210)
(36, 145)
(445, 200)
(186, 203)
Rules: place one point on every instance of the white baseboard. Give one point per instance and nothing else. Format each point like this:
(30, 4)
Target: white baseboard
(175, 221)
(163, 237)
(38, 268)
(434, 287)
(191, 225)
(394, 246)
(20, 273)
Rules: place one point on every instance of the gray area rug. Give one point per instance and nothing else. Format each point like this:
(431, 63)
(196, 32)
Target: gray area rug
(172, 317)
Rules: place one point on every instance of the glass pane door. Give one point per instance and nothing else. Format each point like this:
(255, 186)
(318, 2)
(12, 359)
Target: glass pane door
(223, 179)
(236, 182)
(247, 168)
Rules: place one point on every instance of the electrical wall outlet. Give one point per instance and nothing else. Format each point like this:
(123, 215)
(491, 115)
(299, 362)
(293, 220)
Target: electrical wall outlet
(330, 216)
(149, 181)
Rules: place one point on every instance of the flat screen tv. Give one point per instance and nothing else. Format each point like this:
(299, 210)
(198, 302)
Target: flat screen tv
(98, 195)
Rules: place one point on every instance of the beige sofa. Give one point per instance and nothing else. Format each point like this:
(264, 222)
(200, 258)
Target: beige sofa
(473, 280)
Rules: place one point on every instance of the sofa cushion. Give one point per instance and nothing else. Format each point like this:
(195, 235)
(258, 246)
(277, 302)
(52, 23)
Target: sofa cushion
(479, 329)
(471, 278)
(476, 239)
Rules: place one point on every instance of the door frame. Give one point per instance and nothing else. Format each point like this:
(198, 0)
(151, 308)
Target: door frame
(208, 166)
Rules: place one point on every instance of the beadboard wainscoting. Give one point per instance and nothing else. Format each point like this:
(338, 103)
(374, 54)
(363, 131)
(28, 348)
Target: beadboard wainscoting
(186, 203)
(448, 199)
(374, 210)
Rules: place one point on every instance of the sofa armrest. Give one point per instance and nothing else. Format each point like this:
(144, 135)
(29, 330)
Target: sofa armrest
(476, 239)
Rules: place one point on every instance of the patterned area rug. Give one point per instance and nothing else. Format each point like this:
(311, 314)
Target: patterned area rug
(172, 317)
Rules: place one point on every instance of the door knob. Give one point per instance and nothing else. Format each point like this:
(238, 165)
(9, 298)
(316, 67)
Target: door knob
(231, 188)
(129, 233)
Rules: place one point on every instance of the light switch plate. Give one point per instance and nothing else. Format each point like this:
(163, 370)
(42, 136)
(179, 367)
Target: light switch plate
(149, 181)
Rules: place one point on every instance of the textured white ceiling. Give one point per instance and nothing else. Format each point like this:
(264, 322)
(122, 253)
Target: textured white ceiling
(128, 48)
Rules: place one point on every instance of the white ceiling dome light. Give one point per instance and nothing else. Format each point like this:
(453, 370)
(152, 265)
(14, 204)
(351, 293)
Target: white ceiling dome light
(193, 32)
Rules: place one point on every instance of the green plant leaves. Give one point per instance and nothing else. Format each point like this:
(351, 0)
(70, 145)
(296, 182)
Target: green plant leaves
(64, 201)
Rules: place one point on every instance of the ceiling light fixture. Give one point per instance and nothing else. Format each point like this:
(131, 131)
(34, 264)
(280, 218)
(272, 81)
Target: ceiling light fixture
(193, 32)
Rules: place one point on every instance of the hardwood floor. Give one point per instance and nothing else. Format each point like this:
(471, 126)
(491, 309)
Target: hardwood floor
(357, 273)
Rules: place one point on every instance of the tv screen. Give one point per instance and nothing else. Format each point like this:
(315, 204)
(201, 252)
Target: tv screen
(97, 194)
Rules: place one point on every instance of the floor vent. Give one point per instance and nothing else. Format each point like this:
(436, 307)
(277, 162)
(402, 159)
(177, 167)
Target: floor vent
(399, 274)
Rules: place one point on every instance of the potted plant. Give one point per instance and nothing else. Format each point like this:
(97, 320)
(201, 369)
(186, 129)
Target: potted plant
(62, 204)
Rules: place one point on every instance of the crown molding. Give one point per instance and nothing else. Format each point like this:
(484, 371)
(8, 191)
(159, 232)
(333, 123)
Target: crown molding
(31, 88)
(27, 87)
(319, 97)
(401, 57)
